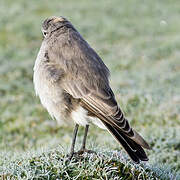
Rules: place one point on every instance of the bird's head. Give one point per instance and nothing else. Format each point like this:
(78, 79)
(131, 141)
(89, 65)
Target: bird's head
(52, 24)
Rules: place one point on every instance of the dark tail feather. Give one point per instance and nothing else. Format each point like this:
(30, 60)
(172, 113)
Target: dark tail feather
(134, 150)
(132, 142)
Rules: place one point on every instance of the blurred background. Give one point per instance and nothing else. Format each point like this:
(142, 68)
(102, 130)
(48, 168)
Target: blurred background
(140, 43)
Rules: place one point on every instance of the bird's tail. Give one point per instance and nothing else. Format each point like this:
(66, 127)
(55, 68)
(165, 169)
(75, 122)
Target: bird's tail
(119, 127)
(132, 142)
(134, 150)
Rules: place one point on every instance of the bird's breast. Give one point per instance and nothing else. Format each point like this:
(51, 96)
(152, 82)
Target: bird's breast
(45, 80)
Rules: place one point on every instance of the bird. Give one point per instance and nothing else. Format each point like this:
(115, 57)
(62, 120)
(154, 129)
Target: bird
(72, 83)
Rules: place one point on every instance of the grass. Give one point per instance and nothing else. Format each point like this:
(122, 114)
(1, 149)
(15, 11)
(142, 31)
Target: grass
(139, 41)
(53, 165)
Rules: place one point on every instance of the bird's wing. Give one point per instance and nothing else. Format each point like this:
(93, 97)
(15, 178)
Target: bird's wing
(86, 78)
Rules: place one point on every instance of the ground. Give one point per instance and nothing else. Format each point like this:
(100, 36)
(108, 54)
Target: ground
(139, 41)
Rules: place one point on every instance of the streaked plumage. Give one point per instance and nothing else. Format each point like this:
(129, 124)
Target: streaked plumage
(72, 83)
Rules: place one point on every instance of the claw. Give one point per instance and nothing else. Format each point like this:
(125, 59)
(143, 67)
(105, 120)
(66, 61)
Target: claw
(80, 153)
(83, 150)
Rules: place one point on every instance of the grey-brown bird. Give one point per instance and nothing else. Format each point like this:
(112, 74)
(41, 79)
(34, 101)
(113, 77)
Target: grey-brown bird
(72, 83)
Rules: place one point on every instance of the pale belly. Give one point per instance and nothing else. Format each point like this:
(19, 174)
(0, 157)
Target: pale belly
(50, 96)
(80, 117)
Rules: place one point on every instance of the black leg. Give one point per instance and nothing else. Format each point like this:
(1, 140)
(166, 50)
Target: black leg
(74, 140)
(83, 148)
(85, 136)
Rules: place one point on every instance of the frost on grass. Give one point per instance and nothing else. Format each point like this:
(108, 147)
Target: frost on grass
(145, 75)
(55, 165)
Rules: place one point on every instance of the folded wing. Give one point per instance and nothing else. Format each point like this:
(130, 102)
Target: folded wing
(86, 78)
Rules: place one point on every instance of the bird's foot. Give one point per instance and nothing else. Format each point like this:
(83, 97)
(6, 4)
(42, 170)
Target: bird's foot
(84, 150)
(80, 153)
(70, 156)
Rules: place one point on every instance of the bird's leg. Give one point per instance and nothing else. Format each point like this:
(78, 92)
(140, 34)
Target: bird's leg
(73, 141)
(85, 136)
(83, 148)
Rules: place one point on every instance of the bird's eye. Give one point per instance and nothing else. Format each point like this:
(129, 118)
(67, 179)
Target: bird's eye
(45, 33)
